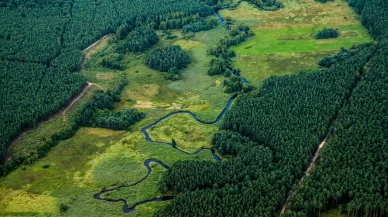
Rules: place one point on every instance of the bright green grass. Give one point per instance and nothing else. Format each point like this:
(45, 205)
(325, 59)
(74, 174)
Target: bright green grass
(68, 162)
(333, 213)
(149, 209)
(257, 68)
(284, 40)
(118, 170)
(143, 191)
(203, 94)
(287, 40)
(189, 134)
(66, 179)
(206, 97)
(123, 164)
(79, 168)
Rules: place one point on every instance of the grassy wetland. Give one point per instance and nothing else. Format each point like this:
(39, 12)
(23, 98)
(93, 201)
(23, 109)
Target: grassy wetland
(64, 181)
(284, 40)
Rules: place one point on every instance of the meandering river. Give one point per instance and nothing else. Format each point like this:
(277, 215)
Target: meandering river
(126, 208)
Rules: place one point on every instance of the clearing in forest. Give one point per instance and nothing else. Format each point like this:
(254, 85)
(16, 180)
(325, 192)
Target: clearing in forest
(284, 40)
(187, 132)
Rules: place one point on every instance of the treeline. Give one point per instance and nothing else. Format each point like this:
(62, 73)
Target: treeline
(97, 112)
(105, 16)
(233, 84)
(31, 92)
(226, 188)
(342, 55)
(271, 5)
(327, 33)
(374, 16)
(200, 25)
(283, 123)
(101, 100)
(94, 113)
(40, 51)
(42, 33)
(116, 120)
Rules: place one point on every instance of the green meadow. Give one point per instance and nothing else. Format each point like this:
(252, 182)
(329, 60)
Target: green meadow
(268, 41)
(284, 40)
(187, 132)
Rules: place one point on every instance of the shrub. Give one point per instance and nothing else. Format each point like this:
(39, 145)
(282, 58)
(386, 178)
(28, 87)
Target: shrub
(327, 33)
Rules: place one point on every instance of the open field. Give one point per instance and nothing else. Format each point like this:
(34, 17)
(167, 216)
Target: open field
(302, 39)
(257, 68)
(284, 40)
(143, 191)
(61, 181)
(296, 14)
(77, 169)
(187, 132)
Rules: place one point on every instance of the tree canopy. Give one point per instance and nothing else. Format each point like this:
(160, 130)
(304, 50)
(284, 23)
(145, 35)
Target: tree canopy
(279, 127)
(327, 33)
(168, 58)
(40, 43)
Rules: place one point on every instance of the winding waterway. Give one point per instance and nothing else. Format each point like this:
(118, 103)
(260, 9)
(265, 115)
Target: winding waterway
(126, 208)
(218, 119)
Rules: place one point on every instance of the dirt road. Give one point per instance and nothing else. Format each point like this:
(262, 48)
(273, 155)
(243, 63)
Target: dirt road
(311, 165)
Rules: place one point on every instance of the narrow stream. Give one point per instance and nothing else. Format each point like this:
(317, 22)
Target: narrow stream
(126, 208)
(218, 119)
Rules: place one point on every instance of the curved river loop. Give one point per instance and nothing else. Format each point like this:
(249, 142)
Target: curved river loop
(126, 208)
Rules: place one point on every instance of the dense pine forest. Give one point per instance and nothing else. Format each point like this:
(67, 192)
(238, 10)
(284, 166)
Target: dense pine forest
(272, 135)
(289, 116)
(352, 171)
(41, 51)
(267, 139)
